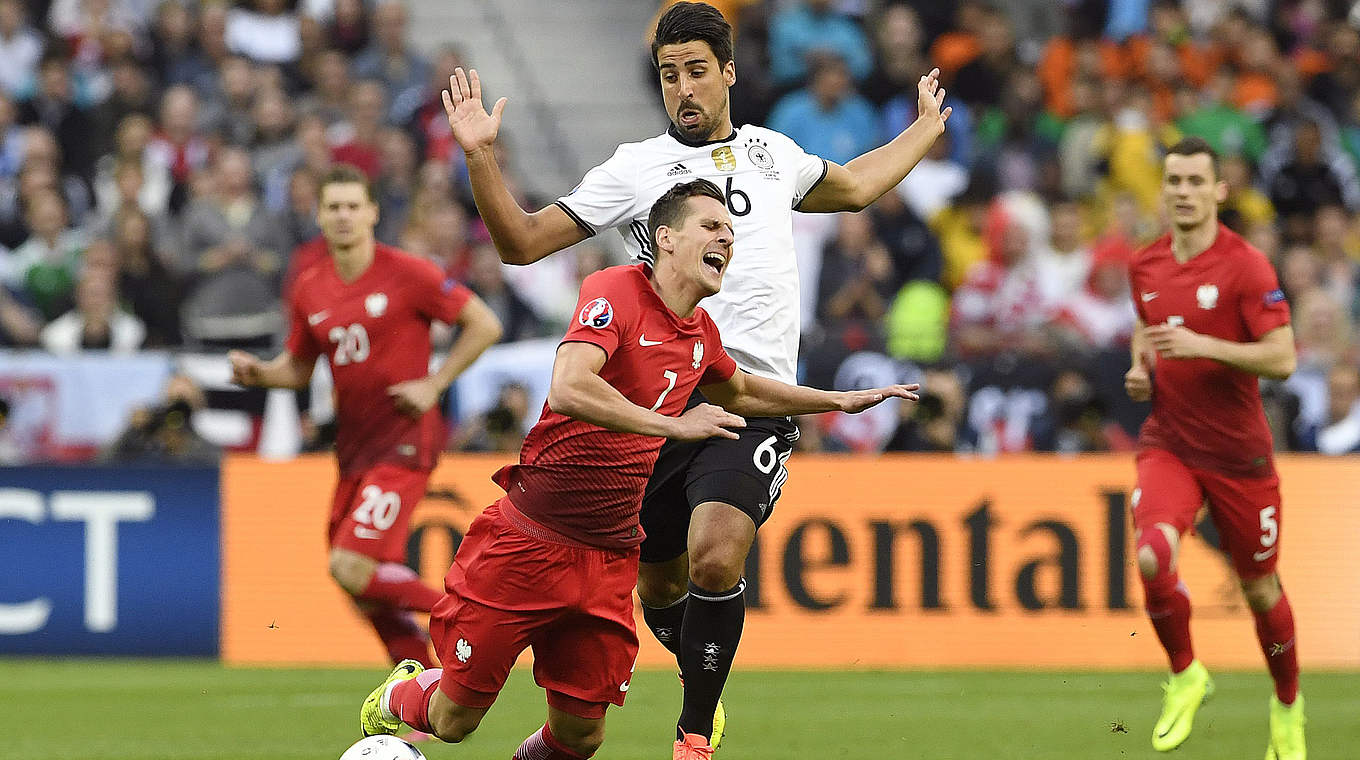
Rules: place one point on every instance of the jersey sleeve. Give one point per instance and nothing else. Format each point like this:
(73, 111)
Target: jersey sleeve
(1263, 305)
(808, 170)
(721, 366)
(604, 311)
(607, 196)
(437, 297)
(300, 342)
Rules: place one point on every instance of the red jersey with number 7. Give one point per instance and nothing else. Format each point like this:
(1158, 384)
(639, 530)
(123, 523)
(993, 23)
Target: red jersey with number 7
(1203, 411)
(375, 332)
(586, 482)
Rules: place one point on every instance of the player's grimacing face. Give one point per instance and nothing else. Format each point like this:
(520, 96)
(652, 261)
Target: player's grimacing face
(694, 87)
(703, 242)
(345, 213)
(1190, 190)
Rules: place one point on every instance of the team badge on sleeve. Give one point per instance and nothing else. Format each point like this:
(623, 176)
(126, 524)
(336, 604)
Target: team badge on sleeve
(598, 314)
(1275, 296)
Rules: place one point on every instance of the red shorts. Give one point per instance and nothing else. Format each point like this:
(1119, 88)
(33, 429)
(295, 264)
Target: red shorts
(1247, 511)
(371, 513)
(508, 590)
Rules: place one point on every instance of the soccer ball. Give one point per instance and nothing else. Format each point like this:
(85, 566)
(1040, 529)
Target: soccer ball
(382, 748)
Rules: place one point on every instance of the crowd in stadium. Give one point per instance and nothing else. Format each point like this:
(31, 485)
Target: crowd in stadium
(159, 160)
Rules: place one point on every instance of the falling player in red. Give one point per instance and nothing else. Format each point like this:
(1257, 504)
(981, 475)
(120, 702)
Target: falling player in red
(368, 309)
(552, 564)
(1211, 320)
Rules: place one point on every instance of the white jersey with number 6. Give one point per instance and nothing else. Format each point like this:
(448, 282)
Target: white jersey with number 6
(764, 176)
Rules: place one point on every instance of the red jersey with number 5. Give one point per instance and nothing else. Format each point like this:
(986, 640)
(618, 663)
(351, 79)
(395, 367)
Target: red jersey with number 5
(1205, 412)
(375, 332)
(584, 481)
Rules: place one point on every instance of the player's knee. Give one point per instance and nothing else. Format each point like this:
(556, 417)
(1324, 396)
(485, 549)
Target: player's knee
(583, 740)
(351, 572)
(1156, 551)
(716, 570)
(659, 587)
(453, 726)
(1262, 593)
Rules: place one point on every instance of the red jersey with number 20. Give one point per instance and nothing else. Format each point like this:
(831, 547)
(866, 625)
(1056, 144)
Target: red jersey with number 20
(375, 332)
(1203, 411)
(586, 482)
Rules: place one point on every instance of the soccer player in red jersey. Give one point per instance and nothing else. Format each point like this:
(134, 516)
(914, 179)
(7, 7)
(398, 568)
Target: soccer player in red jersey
(552, 564)
(368, 309)
(1211, 320)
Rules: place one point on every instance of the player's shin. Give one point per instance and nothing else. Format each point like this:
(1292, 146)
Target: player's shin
(542, 745)
(409, 701)
(666, 623)
(708, 642)
(1167, 601)
(1275, 631)
(398, 585)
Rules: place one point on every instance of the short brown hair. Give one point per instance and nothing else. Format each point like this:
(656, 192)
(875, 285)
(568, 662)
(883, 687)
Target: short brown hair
(345, 174)
(690, 22)
(669, 209)
(1193, 146)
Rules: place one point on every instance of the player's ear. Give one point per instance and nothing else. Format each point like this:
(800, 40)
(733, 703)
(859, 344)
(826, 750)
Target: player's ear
(730, 73)
(1221, 191)
(664, 241)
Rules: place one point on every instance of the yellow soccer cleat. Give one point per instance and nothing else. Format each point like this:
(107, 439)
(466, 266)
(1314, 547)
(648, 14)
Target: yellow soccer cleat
(719, 724)
(1286, 730)
(1184, 693)
(373, 719)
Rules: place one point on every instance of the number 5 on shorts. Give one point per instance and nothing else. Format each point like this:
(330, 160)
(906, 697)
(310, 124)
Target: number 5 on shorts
(1270, 527)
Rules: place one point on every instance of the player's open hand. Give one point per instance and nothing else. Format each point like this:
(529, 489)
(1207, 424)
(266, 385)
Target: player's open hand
(854, 402)
(472, 126)
(1179, 342)
(706, 421)
(414, 397)
(930, 98)
(245, 368)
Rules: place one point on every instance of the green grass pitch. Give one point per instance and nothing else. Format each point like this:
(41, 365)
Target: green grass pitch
(187, 710)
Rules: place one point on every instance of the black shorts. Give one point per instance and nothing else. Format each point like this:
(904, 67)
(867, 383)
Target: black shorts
(747, 473)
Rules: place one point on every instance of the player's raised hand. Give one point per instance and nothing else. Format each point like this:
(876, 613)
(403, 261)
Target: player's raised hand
(930, 98)
(414, 397)
(472, 126)
(706, 421)
(1138, 380)
(854, 402)
(245, 368)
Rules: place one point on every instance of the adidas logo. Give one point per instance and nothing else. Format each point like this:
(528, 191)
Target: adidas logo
(678, 169)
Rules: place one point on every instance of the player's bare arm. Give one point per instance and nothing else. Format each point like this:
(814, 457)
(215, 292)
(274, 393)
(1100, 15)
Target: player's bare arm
(755, 396)
(1271, 357)
(520, 237)
(861, 181)
(578, 391)
(283, 371)
(478, 330)
(1138, 380)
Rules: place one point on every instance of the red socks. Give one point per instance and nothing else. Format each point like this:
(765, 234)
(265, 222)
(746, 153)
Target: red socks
(397, 585)
(544, 746)
(409, 700)
(1168, 603)
(403, 638)
(1275, 631)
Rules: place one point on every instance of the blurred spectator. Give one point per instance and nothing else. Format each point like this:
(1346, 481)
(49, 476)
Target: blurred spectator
(396, 185)
(132, 174)
(177, 143)
(53, 106)
(225, 109)
(917, 324)
(1246, 203)
(356, 138)
(388, 59)
(174, 56)
(1100, 315)
(147, 284)
(132, 95)
(1307, 179)
(21, 47)
(982, 81)
(428, 124)
(11, 141)
(935, 182)
(18, 324)
(499, 429)
(299, 218)
(165, 432)
(914, 250)
(97, 321)
(329, 97)
(804, 28)
(274, 148)
(828, 118)
(857, 282)
(44, 268)
(932, 424)
(236, 247)
(1064, 263)
(264, 31)
(347, 28)
(486, 279)
(1339, 255)
(899, 61)
(1225, 126)
(1340, 432)
(1077, 421)
(959, 229)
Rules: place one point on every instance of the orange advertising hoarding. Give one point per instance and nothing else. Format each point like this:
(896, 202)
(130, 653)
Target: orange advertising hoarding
(894, 561)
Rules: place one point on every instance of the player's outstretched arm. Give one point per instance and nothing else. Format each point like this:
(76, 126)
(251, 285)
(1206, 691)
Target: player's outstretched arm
(283, 371)
(755, 396)
(478, 330)
(1272, 356)
(861, 181)
(578, 391)
(520, 237)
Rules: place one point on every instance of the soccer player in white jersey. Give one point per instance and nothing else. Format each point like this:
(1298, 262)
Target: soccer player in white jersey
(706, 499)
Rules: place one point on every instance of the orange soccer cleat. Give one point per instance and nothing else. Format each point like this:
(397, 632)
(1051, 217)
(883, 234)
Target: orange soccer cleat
(693, 747)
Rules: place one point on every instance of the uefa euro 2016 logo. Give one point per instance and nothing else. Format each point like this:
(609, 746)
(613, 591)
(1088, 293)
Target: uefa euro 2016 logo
(597, 314)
